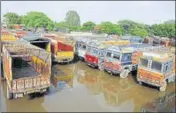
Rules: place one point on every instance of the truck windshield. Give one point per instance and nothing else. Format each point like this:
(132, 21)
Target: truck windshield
(143, 62)
(108, 54)
(88, 49)
(116, 56)
(126, 57)
(95, 51)
(83, 47)
(156, 66)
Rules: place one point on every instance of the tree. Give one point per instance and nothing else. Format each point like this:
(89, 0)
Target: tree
(36, 20)
(169, 22)
(110, 28)
(12, 18)
(88, 26)
(133, 28)
(61, 25)
(73, 20)
(139, 32)
(163, 30)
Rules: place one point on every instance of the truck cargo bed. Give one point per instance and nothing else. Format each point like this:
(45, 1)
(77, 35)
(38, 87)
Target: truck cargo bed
(27, 71)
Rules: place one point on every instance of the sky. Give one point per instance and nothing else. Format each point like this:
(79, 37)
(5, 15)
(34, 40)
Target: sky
(147, 12)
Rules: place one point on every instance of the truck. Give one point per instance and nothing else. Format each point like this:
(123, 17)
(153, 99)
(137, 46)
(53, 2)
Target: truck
(156, 67)
(133, 39)
(37, 41)
(62, 48)
(96, 50)
(118, 59)
(81, 46)
(26, 68)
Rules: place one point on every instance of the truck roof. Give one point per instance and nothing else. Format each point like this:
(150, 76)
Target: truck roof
(160, 54)
(128, 48)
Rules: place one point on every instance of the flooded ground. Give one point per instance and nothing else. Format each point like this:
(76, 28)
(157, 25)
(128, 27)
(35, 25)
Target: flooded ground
(91, 90)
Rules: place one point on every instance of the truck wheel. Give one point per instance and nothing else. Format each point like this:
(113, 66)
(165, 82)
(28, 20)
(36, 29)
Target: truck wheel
(140, 82)
(163, 88)
(101, 67)
(124, 73)
(9, 95)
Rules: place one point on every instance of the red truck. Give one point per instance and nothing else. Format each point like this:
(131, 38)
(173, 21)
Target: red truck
(96, 50)
(61, 47)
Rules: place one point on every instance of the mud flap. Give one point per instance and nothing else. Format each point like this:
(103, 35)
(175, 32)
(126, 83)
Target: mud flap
(124, 73)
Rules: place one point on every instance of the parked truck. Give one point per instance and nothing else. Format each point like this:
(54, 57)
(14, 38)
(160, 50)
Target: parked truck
(118, 59)
(156, 67)
(38, 41)
(27, 69)
(96, 50)
(61, 47)
(81, 46)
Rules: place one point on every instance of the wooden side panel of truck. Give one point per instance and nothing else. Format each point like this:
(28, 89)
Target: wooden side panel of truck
(20, 81)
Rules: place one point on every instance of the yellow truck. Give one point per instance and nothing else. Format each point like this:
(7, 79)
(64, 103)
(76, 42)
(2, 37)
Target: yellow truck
(26, 68)
(62, 48)
(157, 67)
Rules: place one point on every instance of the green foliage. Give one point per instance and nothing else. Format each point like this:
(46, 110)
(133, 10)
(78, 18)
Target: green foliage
(169, 22)
(12, 18)
(36, 20)
(164, 30)
(61, 24)
(110, 28)
(88, 26)
(73, 20)
(139, 32)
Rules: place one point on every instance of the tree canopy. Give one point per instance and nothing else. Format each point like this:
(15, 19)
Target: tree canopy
(110, 28)
(73, 20)
(36, 20)
(12, 18)
(88, 26)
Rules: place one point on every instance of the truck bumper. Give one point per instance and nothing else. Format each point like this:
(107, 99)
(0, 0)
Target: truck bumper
(32, 90)
(92, 64)
(112, 70)
(65, 60)
(149, 82)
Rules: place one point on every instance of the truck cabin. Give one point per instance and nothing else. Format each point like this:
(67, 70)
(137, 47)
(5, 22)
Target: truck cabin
(118, 58)
(81, 46)
(157, 67)
(132, 39)
(95, 51)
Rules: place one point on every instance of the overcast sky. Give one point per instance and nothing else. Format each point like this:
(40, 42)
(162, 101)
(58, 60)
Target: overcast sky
(148, 12)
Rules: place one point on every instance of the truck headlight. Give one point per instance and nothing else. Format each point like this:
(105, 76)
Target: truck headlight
(157, 81)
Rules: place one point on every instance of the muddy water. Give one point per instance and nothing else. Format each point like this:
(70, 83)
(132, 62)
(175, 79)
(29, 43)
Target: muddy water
(89, 90)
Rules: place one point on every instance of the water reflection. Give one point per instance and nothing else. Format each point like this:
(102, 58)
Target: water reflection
(76, 87)
(123, 94)
(162, 104)
(62, 78)
(21, 104)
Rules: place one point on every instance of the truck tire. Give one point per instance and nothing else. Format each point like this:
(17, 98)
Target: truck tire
(9, 95)
(140, 82)
(101, 66)
(163, 88)
(124, 73)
